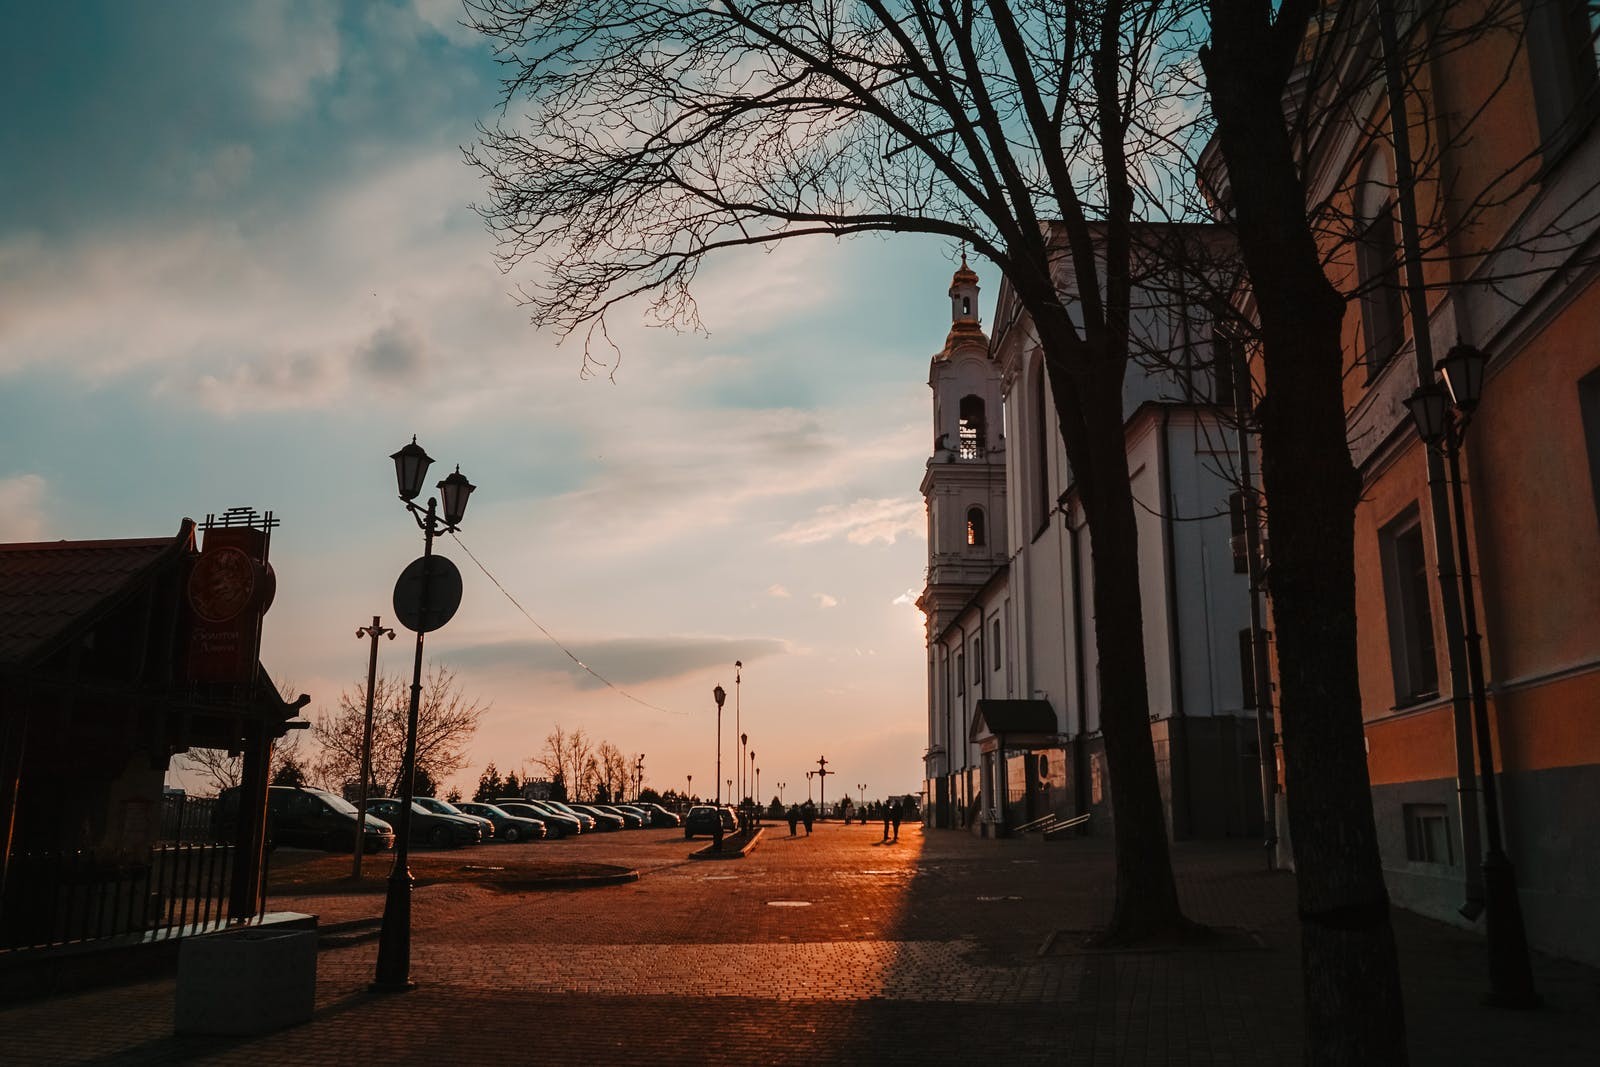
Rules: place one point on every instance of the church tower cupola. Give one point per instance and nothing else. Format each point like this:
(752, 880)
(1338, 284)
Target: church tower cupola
(963, 484)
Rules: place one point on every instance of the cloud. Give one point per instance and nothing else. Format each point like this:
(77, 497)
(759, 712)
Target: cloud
(622, 660)
(824, 601)
(22, 508)
(860, 523)
(779, 591)
(394, 353)
(908, 597)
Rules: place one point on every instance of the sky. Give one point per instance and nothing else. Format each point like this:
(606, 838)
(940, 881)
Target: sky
(239, 266)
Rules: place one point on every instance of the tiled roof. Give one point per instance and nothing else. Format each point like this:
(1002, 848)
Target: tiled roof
(45, 587)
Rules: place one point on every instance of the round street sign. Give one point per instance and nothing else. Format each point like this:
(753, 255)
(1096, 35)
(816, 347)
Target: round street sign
(444, 594)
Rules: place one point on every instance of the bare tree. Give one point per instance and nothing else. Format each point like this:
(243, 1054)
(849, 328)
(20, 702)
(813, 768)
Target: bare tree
(569, 759)
(667, 132)
(446, 722)
(613, 771)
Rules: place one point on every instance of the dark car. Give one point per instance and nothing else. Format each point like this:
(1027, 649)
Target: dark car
(590, 823)
(444, 807)
(703, 819)
(604, 820)
(556, 823)
(660, 816)
(507, 827)
(307, 817)
(441, 831)
(633, 820)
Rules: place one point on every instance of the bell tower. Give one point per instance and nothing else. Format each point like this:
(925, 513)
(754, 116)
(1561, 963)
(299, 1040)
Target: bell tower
(964, 485)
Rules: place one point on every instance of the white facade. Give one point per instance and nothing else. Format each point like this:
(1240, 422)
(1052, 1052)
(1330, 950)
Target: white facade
(1023, 631)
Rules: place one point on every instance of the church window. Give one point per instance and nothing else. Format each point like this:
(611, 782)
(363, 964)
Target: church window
(975, 534)
(966, 305)
(972, 427)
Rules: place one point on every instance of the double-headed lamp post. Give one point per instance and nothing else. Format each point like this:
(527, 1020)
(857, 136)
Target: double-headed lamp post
(719, 695)
(781, 787)
(394, 941)
(809, 775)
(1441, 420)
(638, 777)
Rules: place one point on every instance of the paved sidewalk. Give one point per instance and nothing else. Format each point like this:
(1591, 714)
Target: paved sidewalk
(836, 949)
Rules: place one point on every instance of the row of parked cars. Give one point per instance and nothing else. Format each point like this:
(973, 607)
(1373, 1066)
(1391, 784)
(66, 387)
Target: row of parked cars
(315, 818)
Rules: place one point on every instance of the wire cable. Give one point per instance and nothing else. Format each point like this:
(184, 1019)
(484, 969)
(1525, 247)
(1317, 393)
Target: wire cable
(552, 637)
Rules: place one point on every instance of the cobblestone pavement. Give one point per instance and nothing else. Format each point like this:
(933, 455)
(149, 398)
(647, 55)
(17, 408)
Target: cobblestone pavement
(832, 949)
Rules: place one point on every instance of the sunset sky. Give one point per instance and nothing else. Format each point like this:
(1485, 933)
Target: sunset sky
(238, 266)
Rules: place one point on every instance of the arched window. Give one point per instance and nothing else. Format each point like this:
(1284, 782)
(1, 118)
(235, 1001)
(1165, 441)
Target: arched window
(975, 535)
(972, 427)
(1378, 265)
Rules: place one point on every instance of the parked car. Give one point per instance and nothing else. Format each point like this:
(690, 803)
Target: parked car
(556, 823)
(632, 820)
(703, 819)
(660, 816)
(634, 809)
(315, 818)
(604, 820)
(444, 807)
(590, 823)
(441, 831)
(507, 827)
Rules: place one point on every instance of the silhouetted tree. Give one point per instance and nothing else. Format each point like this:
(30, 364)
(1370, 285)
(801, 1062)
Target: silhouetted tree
(662, 133)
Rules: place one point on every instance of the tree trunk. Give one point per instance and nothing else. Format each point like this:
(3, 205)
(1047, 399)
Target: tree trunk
(1146, 895)
(1350, 970)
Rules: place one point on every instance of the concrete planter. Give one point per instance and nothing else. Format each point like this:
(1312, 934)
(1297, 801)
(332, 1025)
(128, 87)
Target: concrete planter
(246, 981)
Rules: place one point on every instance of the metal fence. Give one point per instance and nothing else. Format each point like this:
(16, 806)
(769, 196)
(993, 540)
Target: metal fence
(61, 897)
(190, 820)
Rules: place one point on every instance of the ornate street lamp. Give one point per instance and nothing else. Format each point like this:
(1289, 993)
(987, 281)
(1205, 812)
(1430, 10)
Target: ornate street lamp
(719, 695)
(427, 595)
(738, 726)
(1441, 421)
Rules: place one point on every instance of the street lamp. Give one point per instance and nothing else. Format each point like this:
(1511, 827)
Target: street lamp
(750, 777)
(822, 784)
(638, 778)
(738, 727)
(861, 788)
(719, 695)
(1441, 421)
(688, 793)
(429, 595)
(808, 785)
(781, 787)
(375, 631)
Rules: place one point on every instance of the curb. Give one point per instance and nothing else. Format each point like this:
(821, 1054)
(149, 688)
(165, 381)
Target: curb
(709, 852)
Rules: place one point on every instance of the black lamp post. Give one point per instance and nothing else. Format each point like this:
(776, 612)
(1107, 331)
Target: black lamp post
(394, 941)
(1441, 421)
(738, 724)
(719, 695)
(638, 778)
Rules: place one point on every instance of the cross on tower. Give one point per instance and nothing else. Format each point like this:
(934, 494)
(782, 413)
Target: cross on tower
(822, 773)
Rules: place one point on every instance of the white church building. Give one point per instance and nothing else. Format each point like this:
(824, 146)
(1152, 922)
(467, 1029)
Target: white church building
(1013, 709)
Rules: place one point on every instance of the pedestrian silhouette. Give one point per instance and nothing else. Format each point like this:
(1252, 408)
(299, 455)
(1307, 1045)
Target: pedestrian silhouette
(886, 824)
(794, 818)
(809, 814)
(895, 814)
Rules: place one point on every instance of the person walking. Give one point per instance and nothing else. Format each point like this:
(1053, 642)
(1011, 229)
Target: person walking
(809, 814)
(885, 823)
(794, 818)
(896, 813)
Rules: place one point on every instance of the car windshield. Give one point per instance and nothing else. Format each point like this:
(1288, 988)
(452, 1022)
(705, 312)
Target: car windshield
(338, 803)
(440, 807)
(490, 809)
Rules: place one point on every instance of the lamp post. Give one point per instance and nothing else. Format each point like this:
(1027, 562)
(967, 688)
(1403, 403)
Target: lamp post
(808, 785)
(638, 777)
(861, 789)
(738, 668)
(433, 609)
(688, 793)
(759, 805)
(375, 631)
(719, 695)
(822, 784)
(750, 777)
(781, 787)
(1441, 421)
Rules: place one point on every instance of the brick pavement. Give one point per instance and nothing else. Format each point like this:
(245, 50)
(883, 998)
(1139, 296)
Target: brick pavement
(834, 949)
